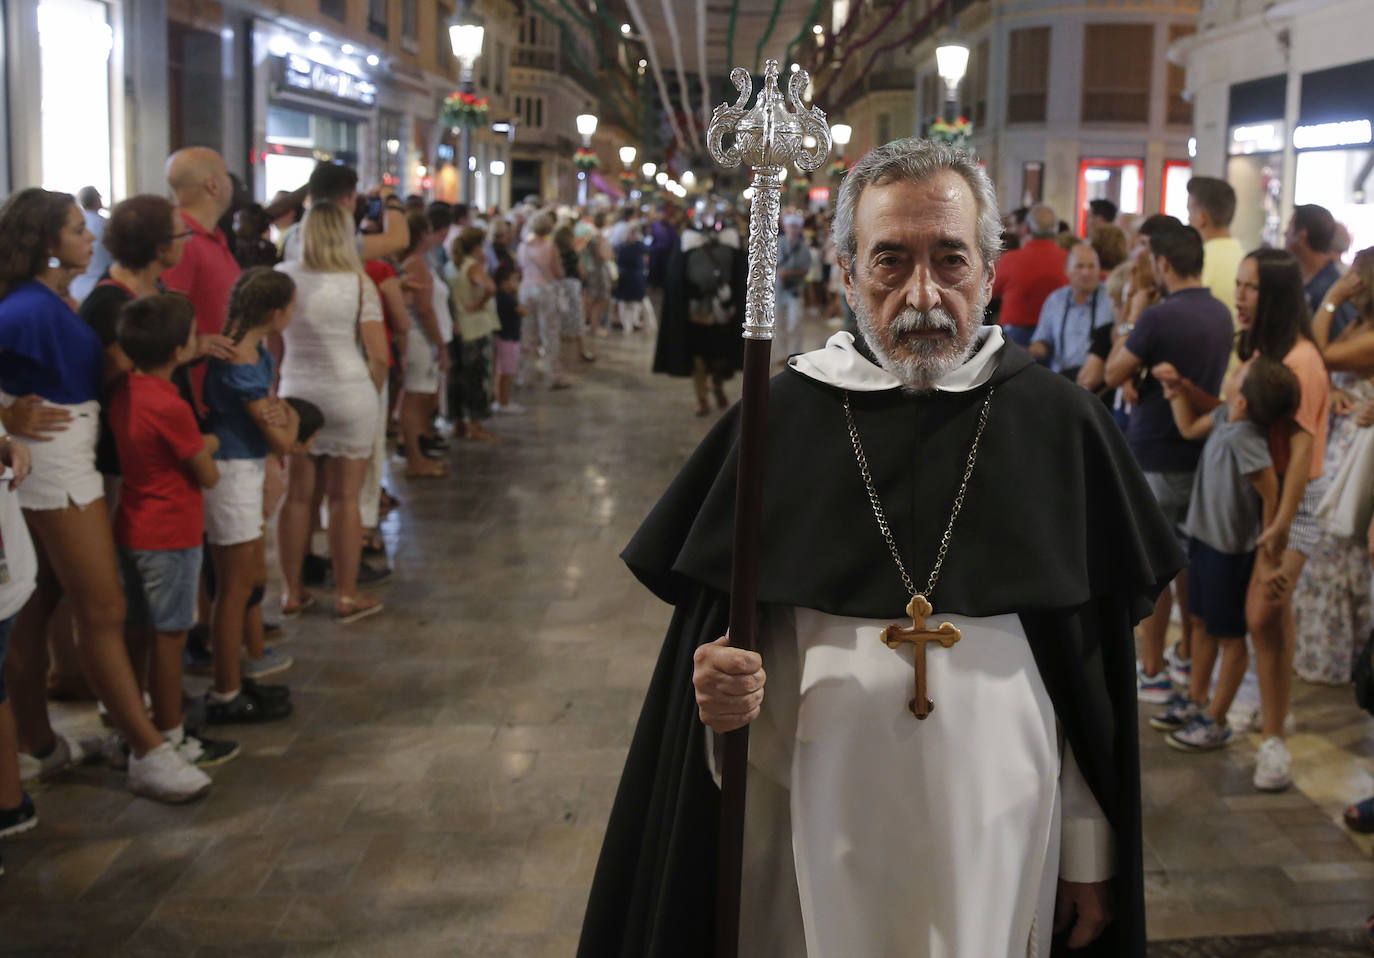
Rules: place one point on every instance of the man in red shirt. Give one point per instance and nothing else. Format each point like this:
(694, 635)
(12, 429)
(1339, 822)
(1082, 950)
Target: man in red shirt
(1026, 276)
(208, 270)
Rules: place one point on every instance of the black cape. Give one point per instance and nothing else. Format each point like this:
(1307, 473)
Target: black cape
(1058, 527)
(680, 340)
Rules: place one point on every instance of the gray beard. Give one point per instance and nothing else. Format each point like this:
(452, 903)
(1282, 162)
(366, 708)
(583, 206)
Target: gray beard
(929, 361)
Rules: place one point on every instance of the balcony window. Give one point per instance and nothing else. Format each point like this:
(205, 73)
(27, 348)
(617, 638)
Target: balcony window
(1028, 75)
(338, 9)
(1179, 112)
(1117, 60)
(978, 86)
(409, 16)
(443, 49)
(376, 18)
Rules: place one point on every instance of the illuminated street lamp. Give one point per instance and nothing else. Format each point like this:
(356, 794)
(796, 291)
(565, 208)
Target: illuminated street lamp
(840, 134)
(586, 125)
(951, 62)
(627, 155)
(649, 169)
(465, 36)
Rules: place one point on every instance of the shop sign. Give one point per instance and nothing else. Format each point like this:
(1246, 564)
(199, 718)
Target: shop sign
(300, 73)
(1316, 136)
(1255, 138)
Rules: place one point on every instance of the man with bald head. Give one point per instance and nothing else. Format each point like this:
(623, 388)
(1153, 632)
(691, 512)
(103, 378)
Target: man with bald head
(1071, 313)
(199, 179)
(1026, 276)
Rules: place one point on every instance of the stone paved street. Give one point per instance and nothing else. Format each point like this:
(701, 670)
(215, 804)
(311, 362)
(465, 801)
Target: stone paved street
(443, 786)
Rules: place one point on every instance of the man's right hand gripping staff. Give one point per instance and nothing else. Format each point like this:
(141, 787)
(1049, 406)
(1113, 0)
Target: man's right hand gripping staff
(729, 685)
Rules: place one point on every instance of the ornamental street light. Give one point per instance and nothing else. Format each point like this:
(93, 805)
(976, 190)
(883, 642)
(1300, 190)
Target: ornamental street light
(465, 36)
(951, 62)
(840, 134)
(586, 125)
(649, 169)
(627, 155)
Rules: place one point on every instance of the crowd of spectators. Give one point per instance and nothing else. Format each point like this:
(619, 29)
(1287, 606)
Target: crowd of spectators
(178, 378)
(1242, 382)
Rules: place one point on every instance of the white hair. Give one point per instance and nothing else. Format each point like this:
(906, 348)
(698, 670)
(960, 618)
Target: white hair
(914, 160)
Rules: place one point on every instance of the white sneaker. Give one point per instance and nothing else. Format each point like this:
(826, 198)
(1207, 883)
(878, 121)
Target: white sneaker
(1272, 765)
(1248, 717)
(165, 776)
(67, 753)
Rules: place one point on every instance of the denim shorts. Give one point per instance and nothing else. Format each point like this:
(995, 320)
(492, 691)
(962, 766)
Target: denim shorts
(5, 626)
(160, 586)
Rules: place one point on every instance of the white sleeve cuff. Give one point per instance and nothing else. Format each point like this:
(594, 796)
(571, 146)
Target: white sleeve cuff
(1087, 849)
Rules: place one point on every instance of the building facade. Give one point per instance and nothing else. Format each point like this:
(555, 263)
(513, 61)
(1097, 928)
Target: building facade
(111, 87)
(1283, 95)
(1069, 102)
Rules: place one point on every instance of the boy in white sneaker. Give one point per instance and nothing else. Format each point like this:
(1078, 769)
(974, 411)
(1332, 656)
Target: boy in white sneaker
(1235, 492)
(159, 526)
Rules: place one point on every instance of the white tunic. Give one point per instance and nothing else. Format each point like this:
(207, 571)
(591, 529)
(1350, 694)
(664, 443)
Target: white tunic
(870, 834)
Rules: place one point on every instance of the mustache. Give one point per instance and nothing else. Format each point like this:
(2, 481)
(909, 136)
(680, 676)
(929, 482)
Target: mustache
(913, 320)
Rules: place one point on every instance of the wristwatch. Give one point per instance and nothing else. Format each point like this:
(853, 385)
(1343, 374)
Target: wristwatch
(1125, 329)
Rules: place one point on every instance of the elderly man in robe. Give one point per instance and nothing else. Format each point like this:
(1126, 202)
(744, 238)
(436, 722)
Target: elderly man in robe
(972, 796)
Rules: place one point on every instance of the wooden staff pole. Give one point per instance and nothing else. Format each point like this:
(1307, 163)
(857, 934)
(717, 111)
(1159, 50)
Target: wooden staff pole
(766, 137)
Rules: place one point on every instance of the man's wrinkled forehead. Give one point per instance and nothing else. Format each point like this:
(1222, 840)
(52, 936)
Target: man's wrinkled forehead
(940, 208)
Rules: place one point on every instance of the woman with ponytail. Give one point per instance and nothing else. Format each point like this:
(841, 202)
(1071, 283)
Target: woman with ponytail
(51, 379)
(250, 424)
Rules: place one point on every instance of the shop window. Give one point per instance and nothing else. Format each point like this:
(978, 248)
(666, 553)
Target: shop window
(1121, 181)
(75, 40)
(1117, 60)
(409, 15)
(1028, 74)
(376, 18)
(338, 9)
(1179, 112)
(1174, 198)
(539, 113)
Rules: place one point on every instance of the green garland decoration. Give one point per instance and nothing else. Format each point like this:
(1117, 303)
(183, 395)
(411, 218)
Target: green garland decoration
(768, 32)
(805, 29)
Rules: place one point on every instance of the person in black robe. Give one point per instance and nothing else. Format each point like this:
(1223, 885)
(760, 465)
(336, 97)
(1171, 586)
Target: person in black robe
(703, 311)
(1060, 529)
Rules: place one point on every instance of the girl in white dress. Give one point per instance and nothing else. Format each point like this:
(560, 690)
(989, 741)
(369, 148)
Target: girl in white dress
(335, 357)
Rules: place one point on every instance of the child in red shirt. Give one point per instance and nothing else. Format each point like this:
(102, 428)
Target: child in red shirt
(160, 521)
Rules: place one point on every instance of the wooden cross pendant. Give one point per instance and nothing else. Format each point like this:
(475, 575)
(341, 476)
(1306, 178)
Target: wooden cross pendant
(918, 635)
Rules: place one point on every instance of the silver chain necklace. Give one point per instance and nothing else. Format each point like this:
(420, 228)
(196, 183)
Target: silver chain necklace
(878, 506)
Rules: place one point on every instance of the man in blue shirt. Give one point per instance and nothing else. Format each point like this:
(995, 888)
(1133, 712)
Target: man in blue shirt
(1190, 329)
(1071, 313)
(1309, 237)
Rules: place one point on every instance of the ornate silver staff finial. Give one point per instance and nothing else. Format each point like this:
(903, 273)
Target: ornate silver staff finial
(767, 137)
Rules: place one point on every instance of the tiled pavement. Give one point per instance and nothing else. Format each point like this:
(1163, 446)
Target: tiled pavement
(443, 786)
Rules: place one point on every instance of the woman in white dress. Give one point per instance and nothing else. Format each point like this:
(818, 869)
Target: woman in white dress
(336, 357)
